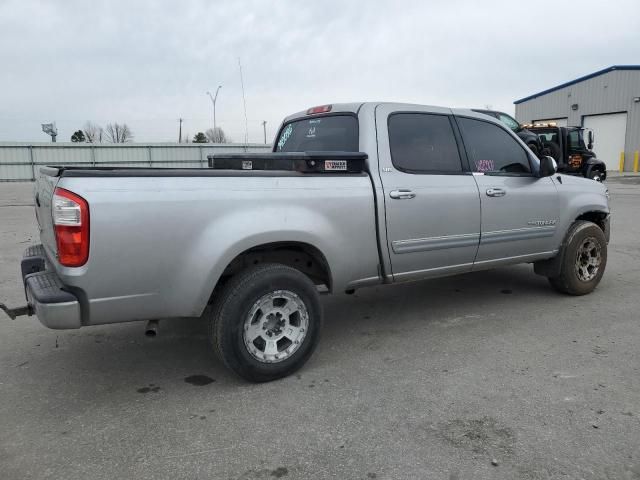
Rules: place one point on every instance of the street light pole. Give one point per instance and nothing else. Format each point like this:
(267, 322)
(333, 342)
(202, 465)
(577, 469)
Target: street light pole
(214, 98)
(264, 127)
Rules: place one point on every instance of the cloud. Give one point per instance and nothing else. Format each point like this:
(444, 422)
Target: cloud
(149, 63)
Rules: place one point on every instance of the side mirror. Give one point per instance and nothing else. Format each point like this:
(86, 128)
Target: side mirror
(590, 139)
(548, 166)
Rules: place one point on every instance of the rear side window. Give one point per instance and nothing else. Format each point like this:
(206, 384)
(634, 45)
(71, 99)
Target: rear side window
(422, 143)
(335, 133)
(492, 150)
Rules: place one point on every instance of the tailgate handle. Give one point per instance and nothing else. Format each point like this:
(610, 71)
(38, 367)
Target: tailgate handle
(401, 194)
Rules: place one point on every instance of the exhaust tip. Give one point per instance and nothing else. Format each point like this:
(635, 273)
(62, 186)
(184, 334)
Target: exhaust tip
(151, 330)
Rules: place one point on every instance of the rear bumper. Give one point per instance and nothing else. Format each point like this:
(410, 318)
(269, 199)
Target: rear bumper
(53, 304)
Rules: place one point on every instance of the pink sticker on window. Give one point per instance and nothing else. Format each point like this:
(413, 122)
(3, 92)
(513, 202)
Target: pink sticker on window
(484, 165)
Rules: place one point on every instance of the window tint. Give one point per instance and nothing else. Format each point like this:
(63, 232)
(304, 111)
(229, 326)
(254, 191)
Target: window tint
(491, 149)
(335, 133)
(423, 143)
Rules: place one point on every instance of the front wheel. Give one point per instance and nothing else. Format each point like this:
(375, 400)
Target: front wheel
(596, 175)
(266, 322)
(534, 148)
(585, 258)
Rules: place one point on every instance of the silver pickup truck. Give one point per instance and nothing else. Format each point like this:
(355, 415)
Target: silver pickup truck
(353, 195)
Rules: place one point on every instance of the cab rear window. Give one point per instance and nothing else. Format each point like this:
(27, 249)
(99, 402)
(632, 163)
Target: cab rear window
(334, 133)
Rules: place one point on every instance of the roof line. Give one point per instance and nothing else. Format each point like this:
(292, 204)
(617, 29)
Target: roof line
(578, 80)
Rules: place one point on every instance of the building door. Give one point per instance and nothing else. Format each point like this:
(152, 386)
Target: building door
(609, 132)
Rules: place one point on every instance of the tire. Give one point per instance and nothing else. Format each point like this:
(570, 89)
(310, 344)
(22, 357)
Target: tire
(534, 148)
(554, 151)
(596, 175)
(265, 322)
(585, 247)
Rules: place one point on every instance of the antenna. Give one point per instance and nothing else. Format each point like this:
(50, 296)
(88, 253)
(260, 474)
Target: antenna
(244, 101)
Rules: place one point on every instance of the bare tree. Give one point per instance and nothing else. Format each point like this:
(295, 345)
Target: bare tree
(118, 133)
(93, 133)
(217, 135)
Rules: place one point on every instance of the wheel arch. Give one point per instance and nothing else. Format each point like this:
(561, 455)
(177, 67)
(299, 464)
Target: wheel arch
(303, 256)
(551, 267)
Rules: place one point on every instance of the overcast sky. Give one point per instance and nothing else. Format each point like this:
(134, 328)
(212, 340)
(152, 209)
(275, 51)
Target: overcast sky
(147, 63)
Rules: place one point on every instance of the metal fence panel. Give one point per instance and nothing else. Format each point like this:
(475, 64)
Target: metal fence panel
(21, 161)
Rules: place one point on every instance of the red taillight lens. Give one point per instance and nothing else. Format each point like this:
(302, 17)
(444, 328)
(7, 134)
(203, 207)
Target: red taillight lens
(321, 109)
(71, 224)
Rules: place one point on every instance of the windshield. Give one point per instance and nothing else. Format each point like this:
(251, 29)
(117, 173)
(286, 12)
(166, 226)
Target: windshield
(335, 133)
(509, 121)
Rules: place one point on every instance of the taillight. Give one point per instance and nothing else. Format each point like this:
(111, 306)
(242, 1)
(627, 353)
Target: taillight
(71, 225)
(320, 109)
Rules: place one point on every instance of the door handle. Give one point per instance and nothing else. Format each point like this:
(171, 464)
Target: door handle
(401, 194)
(496, 192)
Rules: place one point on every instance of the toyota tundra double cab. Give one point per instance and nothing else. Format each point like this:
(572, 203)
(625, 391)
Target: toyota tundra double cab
(352, 195)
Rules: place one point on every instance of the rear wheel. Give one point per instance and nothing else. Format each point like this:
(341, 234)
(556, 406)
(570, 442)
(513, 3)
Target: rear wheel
(585, 258)
(266, 322)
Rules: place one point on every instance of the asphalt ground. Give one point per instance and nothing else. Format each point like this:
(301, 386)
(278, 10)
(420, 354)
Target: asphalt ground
(489, 375)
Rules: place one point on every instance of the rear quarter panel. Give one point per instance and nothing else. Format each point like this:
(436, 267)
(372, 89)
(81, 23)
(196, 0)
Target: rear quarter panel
(159, 245)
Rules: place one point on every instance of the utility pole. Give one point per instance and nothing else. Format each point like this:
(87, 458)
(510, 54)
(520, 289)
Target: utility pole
(180, 131)
(244, 102)
(214, 99)
(264, 127)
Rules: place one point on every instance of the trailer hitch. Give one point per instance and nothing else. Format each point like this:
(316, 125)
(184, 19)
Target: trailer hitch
(17, 312)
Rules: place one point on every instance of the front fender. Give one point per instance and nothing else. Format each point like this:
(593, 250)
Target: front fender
(594, 164)
(576, 197)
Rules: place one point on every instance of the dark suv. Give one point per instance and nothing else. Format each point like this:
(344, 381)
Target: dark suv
(527, 136)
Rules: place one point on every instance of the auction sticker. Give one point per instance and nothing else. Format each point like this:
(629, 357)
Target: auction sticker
(335, 165)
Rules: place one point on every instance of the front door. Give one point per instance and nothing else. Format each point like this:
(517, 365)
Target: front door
(432, 205)
(519, 210)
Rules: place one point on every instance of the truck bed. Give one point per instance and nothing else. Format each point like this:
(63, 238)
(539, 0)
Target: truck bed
(161, 238)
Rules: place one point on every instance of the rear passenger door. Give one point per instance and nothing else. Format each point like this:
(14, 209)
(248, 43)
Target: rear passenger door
(519, 210)
(432, 205)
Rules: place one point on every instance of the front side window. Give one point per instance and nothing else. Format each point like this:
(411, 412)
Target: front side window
(335, 133)
(423, 143)
(576, 141)
(491, 150)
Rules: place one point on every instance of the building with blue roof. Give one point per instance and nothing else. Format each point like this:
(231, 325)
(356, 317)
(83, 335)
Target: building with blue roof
(606, 101)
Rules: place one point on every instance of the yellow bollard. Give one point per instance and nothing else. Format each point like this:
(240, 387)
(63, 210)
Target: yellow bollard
(635, 161)
(621, 161)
